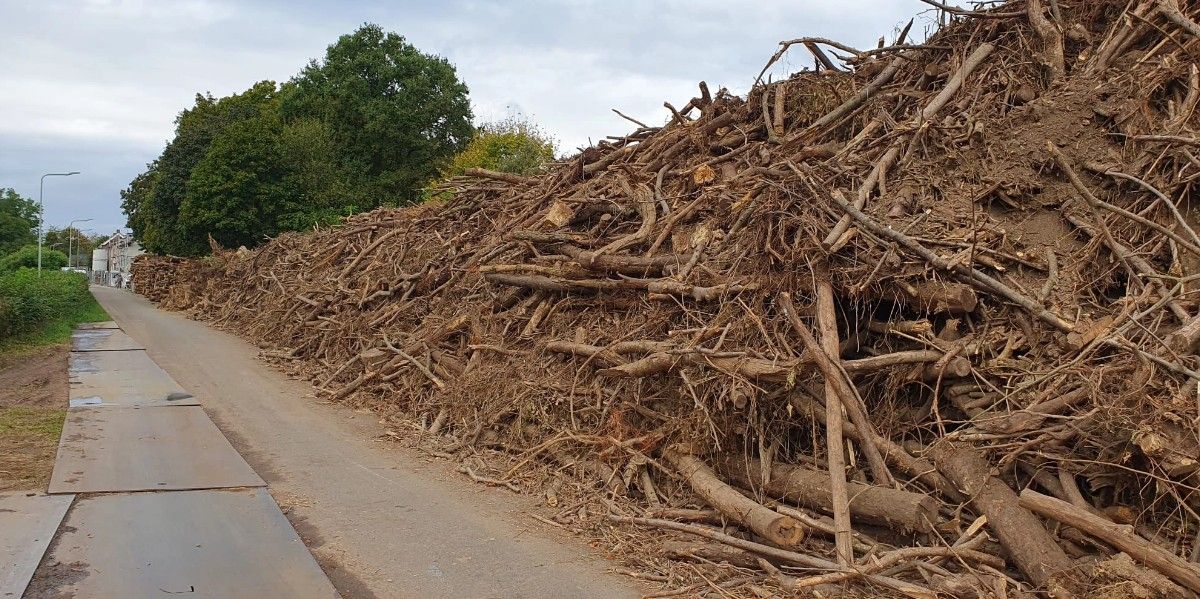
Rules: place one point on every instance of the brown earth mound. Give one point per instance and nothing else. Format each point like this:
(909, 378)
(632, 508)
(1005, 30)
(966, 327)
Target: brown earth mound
(820, 337)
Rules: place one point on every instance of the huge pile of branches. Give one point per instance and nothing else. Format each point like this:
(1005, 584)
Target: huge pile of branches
(923, 325)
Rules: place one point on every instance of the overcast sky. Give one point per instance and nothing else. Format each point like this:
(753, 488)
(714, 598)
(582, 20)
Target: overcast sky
(95, 85)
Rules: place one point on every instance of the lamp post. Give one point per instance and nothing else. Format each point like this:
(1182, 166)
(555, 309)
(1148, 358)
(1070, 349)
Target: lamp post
(71, 238)
(42, 212)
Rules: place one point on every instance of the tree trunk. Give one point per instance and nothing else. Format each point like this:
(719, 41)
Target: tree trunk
(766, 523)
(1121, 537)
(1035, 552)
(893, 508)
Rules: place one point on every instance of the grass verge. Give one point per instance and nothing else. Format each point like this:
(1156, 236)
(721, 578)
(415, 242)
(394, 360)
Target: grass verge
(28, 442)
(38, 311)
(37, 315)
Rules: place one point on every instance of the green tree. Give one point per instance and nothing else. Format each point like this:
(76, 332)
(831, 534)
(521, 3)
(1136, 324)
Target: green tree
(261, 177)
(155, 200)
(395, 114)
(236, 189)
(137, 202)
(369, 124)
(79, 243)
(324, 188)
(27, 257)
(18, 221)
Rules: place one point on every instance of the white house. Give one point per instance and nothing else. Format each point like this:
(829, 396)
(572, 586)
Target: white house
(113, 259)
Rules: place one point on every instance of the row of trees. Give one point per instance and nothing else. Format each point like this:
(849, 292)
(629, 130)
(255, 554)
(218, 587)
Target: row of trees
(18, 231)
(370, 124)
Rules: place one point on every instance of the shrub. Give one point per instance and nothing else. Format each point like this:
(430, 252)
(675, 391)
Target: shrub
(510, 146)
(28, 301)
(27, 257)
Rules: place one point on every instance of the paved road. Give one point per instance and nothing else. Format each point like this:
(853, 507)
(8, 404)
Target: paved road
(383, 521)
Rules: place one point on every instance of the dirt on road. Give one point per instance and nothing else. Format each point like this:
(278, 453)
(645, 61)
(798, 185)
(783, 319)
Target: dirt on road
(33, 402)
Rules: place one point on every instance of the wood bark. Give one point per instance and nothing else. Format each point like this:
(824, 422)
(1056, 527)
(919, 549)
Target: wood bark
(776, 371)
(766, 523)
(1186, 338)
(656, 286)
(934, 297)
(982, 279)
(781, 555)
(914, 467)
(880, 171)
(712, 552)
(834, 445)
(496, 175)
(1035, 552)
(1121, 537)
(883, 506)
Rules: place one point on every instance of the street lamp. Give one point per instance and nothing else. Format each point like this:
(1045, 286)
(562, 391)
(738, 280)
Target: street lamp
(71, 238)
(42, 212)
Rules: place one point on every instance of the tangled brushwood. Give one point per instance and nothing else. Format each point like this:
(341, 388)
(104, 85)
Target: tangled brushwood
(926, 326)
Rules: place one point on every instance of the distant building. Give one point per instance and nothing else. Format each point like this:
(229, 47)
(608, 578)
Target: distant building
(113, 259)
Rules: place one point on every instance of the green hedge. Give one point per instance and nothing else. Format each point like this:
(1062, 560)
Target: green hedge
(27, 257)
(29, 302)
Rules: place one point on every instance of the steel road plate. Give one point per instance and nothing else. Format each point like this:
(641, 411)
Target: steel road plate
(122, 378)
(102, 340)
(205, 544)
(143, 449)
(27, 524)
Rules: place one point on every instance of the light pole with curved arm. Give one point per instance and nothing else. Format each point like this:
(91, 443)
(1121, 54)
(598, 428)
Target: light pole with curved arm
(42, 211)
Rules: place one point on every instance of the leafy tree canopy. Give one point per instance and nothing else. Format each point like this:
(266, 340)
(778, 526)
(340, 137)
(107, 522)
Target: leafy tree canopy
(71, 238)
(368, 125)
(27, 257)
(18, 221)
(394, 113)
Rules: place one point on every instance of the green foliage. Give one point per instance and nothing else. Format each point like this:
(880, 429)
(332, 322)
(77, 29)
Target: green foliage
(40, 308)
(236, 188)
(367, 125)
(511, 146)
(394, 113)
(160, 202)
(137, 202)
(71, 238)
(18, 221)
(27, 257)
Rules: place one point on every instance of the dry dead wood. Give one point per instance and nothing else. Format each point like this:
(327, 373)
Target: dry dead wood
(770, 525)
(1035, 552)
(834, 416)
(580, 319)
(790, 557)
(1121, 537)
(843, 392)
(883, 506)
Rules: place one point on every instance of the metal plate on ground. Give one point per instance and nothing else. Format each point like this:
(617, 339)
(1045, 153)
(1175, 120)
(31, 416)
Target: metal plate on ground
(122, 378)
(107, 324)
(102, 340)
(218, 544)
(27, 524)
(145, 449)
